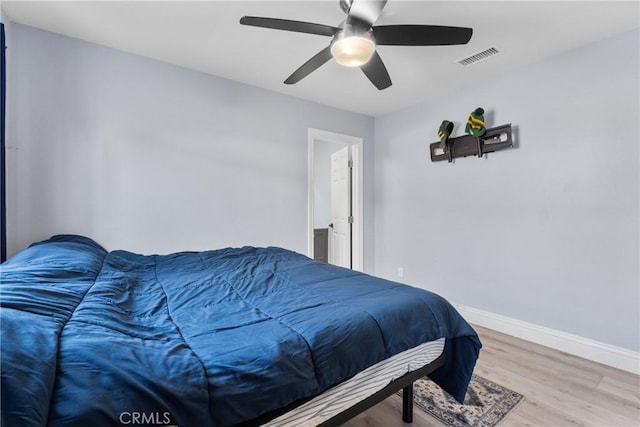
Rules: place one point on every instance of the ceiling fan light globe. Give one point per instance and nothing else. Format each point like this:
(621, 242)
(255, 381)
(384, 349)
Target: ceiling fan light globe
(353, 51)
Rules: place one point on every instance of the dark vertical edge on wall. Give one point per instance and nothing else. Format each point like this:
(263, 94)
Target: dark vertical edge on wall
(3, 183)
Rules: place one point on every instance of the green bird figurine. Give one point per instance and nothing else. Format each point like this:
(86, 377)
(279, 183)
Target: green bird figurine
(444, 132)
(475, 123)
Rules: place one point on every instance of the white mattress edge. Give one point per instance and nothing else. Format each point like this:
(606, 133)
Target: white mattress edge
(360, 386)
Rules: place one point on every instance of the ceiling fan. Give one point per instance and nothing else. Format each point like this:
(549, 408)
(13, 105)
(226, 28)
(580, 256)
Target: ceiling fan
(354, 41)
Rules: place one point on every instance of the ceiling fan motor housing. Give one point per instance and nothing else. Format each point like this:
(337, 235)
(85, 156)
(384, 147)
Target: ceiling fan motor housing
(345, 5)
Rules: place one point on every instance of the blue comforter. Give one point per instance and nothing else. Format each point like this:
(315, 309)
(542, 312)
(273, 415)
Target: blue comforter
(97, 338)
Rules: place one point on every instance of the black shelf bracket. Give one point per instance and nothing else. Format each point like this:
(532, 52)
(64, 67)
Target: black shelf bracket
(495, 139)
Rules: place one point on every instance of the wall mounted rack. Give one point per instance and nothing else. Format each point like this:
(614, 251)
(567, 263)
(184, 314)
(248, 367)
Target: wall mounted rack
(495, 139)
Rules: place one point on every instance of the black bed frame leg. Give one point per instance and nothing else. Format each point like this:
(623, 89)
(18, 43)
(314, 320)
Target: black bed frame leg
(407, 404)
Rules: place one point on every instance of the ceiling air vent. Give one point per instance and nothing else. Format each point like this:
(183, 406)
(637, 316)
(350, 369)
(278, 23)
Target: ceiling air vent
(480, 56)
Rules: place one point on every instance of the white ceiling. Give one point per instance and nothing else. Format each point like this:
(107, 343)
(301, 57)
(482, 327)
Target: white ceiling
(206, 36)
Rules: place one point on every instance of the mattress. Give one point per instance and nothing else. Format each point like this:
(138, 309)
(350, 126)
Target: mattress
(361, 386)
(213, 338)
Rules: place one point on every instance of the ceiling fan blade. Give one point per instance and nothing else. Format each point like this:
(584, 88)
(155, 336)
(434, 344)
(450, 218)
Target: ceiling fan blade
(377, 72)
(367, 10)
(420, 35)
(288, 25)
(310, 66)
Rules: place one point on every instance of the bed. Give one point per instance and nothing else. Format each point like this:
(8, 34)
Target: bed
(235, 336)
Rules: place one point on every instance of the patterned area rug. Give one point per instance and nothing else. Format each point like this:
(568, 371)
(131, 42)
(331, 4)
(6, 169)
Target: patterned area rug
(486, 404)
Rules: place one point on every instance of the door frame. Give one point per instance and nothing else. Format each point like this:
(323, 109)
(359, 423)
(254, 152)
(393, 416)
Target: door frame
(356, 147)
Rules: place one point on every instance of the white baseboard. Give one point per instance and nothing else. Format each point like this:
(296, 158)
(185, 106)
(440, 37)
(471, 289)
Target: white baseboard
(586, 348)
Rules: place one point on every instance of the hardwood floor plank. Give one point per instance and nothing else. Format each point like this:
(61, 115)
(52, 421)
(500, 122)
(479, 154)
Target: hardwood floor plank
(566, 358)
(622, 390)
(530, 413)
(563, 401)
(560, 389)
(548, 372)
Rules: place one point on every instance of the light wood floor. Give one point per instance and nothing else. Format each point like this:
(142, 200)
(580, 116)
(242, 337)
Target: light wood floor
(559, 389)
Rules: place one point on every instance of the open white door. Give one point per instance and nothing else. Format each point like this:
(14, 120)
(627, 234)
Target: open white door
(340, 230)
(356, 146)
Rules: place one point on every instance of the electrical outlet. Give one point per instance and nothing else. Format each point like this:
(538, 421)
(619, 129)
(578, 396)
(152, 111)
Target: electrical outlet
(400, 271)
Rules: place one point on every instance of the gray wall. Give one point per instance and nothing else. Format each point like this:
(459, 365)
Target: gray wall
(150, 157)
(546, 233)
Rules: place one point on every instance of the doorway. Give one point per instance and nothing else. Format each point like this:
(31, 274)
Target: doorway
(321, 145)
